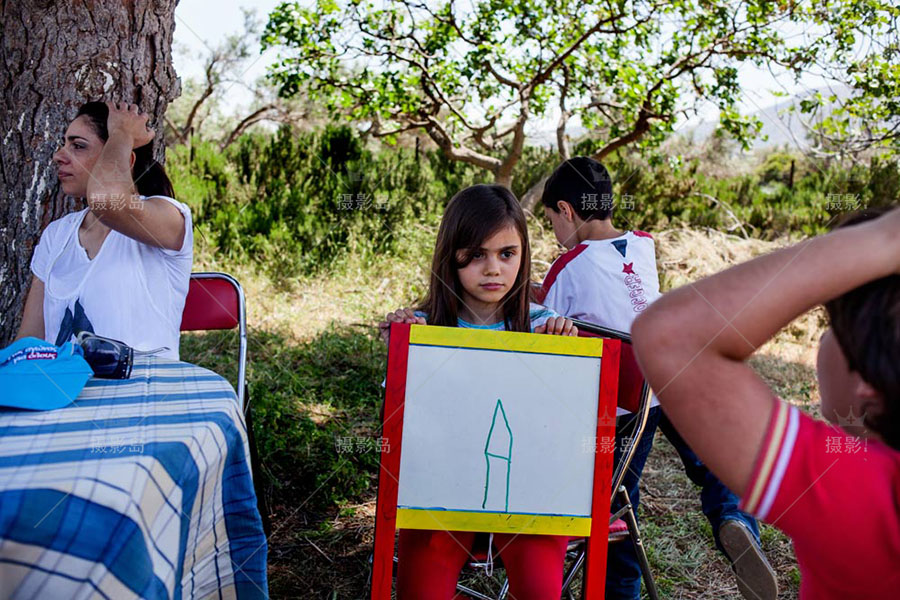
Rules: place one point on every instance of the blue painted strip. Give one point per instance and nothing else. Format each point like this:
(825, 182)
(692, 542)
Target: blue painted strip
(166, 364)
(180, 396)
(498, 350)
(108, 424)
(146, 525)
(492, 512)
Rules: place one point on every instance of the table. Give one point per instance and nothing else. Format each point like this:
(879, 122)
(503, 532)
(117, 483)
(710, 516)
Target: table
(141, 488)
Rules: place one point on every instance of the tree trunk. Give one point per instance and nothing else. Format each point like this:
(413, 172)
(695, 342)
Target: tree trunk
(531, 197)
(504, 179)
(56, 55)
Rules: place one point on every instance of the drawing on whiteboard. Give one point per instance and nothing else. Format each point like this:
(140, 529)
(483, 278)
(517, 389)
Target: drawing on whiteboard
(499, 447)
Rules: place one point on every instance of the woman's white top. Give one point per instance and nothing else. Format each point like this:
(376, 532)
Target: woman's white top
(129, 291)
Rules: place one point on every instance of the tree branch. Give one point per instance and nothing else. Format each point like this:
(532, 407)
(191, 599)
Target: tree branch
(502, 78)
(504, 172)
(255, 117)
(562, 144)
(542, 75)
(210, 87)
(443, 140)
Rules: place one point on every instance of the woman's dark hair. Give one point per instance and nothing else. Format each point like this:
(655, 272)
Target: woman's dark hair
(866, 323)
(149, 177)
(472, 216)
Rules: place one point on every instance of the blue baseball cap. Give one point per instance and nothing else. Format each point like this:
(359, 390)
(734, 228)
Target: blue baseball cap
(37, 375)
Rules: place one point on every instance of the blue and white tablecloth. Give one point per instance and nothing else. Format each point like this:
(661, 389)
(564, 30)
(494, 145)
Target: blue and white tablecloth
(138, 489)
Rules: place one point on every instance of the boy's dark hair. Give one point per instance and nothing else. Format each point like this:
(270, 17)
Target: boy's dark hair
(149, 177)
(866, 323)
(472, 216)
(585, 184)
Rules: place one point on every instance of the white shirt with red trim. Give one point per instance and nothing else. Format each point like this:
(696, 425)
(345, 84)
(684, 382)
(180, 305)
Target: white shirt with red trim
(608, 282)
(838, 498)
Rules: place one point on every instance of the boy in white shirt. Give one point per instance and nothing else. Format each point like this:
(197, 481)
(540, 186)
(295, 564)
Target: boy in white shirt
(609, 277)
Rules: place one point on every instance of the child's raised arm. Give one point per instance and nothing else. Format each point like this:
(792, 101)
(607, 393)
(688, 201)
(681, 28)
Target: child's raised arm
(692, 342)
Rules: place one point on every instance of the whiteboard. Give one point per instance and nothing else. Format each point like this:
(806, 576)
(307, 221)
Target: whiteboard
(498, 431)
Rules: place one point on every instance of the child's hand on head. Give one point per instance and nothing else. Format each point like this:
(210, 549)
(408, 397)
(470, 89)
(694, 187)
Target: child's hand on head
(557, 326)
(402, 315)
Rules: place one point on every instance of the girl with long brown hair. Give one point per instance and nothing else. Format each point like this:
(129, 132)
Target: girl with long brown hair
(480, 277)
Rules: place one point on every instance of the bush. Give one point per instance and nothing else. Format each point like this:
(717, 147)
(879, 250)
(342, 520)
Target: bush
(296, 203)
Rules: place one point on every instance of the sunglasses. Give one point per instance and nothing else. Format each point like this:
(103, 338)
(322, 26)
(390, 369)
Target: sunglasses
(108, 358)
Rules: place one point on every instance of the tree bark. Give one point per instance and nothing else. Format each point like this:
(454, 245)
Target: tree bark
(56, 55)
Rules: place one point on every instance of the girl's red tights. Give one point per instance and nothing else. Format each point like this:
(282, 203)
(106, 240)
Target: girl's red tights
(430, 562)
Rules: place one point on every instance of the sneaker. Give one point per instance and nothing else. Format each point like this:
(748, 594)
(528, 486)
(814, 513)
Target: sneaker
(755, 576)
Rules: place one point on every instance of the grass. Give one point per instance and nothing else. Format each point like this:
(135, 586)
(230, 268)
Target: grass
(316, 367)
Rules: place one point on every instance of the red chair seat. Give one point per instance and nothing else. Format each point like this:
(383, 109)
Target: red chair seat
(210, 304)
(618, 527)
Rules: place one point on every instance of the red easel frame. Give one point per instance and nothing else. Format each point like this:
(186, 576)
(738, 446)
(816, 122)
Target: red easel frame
(389, 469)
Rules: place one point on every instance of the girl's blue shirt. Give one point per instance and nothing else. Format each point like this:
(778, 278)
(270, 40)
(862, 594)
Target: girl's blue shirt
(538, 314)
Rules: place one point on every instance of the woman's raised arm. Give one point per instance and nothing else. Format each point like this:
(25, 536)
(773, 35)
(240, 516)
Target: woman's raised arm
(33, 317)
(154, 221)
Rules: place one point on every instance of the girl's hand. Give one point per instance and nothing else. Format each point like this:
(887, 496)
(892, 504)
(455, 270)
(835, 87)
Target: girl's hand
(128, 119)
(403, 315)
(557, 326)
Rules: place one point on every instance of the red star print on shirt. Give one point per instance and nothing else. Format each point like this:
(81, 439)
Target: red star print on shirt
(628, 268)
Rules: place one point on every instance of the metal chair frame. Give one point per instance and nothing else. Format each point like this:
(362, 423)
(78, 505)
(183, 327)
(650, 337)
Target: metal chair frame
(241, 319)
(242, 391)
(577, 547)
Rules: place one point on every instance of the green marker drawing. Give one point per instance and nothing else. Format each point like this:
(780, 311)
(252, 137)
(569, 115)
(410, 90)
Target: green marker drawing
(498, 445)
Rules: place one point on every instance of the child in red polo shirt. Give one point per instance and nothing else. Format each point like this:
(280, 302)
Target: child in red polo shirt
(834, 489)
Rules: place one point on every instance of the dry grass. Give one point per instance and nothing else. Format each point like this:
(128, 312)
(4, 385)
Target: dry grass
(327, 558)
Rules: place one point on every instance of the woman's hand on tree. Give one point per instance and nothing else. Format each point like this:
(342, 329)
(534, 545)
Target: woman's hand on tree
(128, 119)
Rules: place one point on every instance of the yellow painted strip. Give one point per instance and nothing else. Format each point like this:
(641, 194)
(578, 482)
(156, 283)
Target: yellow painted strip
(512, 341)
(765, 470)
(414, 518)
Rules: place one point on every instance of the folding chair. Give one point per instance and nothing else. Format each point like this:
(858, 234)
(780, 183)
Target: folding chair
(634, 395)
(215, 301)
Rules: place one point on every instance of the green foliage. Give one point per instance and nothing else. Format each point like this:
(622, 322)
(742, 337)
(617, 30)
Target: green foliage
(760, 205)
(777, 167)
(294, 203)
(309, 401)
(857, 45)
(464, 75)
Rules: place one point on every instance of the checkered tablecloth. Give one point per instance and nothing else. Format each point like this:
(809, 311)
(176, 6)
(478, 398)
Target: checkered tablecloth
(138, 489)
